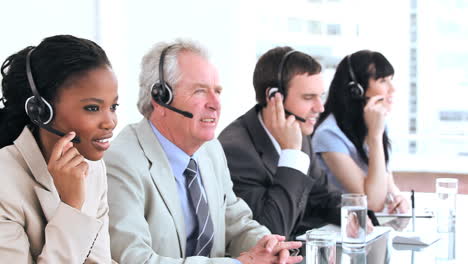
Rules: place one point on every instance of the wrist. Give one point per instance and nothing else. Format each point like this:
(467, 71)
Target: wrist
(246, 258)
(374, 140)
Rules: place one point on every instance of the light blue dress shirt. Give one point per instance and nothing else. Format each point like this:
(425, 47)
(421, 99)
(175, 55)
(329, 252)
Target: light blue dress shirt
(179, 160)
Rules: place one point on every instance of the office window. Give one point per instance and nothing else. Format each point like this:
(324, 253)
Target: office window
(413, 35)
(412, 147)
(413, 70)
(413, 20)
(314, 27)
(294, 24)
(413, 89)
(413, 107)
(453, 116)
(334, 29)
(412, 125)
(413, 56)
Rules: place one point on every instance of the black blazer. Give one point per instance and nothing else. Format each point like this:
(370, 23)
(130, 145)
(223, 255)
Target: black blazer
(285, 200)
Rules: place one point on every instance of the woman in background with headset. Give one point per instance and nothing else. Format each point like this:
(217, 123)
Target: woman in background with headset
(350, 138)
(53, 199)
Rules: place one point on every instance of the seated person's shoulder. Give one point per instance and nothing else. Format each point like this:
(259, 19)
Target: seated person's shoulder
(125, 143)
(212, 149)
(233, 131)
(328, 137)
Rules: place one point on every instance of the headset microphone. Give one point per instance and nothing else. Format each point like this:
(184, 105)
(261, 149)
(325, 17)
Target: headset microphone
(280, 88)
(162, 91)
(55, 131)
(272, 93)
(159, 102)
(37, 108)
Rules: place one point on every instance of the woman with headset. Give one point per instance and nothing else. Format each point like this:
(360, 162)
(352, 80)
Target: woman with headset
(59, 102)
(351, 138)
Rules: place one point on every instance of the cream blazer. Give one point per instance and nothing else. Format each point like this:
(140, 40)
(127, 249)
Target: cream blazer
(146, 217)
(35, 226)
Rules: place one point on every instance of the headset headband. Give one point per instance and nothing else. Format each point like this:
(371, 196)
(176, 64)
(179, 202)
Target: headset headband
(280, 70)
(29, 74)
(161, 64)
(350, 69)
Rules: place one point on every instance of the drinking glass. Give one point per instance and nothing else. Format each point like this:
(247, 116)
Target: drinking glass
(446, 191)
(320, 247)
(353, 221)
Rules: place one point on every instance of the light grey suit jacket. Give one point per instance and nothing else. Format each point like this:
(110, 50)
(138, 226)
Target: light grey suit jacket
(35, 226)
(146, 217)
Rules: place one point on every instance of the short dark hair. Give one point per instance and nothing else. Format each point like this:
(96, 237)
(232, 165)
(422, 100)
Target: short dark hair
(54, 61)
(266, 70)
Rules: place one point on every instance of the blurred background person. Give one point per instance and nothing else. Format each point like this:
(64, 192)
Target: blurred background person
(351, 138)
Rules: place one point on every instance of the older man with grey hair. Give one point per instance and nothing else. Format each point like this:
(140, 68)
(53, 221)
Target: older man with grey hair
(170, 192)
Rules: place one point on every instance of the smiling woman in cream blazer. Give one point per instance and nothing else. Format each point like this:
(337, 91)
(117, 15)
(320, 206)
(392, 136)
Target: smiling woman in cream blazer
(53, 198)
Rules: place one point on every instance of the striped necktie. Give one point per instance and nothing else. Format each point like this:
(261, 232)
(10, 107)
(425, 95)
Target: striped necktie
(200, 205)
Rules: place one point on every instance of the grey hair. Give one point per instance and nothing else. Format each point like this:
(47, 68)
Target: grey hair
(149, 74)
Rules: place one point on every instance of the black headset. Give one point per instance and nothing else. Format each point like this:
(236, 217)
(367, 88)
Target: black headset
(280, 83)
(355, 89)
(161, 91)
(280, 89)
(37, 108)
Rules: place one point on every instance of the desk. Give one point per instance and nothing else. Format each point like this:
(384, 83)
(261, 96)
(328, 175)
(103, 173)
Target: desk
(451, 248)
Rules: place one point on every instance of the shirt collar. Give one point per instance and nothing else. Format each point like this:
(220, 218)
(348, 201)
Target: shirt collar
(176, 156)
(273, 140)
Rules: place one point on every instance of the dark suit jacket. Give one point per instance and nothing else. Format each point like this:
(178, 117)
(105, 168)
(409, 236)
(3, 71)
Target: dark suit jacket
(285, 200)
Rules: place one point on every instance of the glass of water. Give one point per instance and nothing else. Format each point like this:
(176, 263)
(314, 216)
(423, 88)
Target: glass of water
(353, 221)
(446, 190)
(320, 247)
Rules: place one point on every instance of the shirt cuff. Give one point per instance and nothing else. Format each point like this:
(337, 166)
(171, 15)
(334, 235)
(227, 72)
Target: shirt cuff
(235, 261)
(295, 159)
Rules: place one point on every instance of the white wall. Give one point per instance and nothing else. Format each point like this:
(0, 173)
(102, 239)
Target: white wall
(27, 22)
(131, 28)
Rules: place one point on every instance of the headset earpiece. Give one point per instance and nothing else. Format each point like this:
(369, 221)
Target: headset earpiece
(272, 91)
(38, 111)
(162, 92)
(355, 88)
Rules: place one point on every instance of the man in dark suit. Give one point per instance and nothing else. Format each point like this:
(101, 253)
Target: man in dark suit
(269, 153)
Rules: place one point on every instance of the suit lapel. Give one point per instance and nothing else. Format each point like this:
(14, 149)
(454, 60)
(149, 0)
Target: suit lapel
(261, 140)
(163, 177)
(45, 190)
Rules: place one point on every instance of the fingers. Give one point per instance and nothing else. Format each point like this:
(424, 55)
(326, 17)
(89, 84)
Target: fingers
(60, 145)
(283, 256)
(375, 100)
(287, 245)
(67, 156)
(369, 226)
(400, 205)
(270, 241)
(270, 244)
(294, 259)
(393, 207)
(279, 108)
